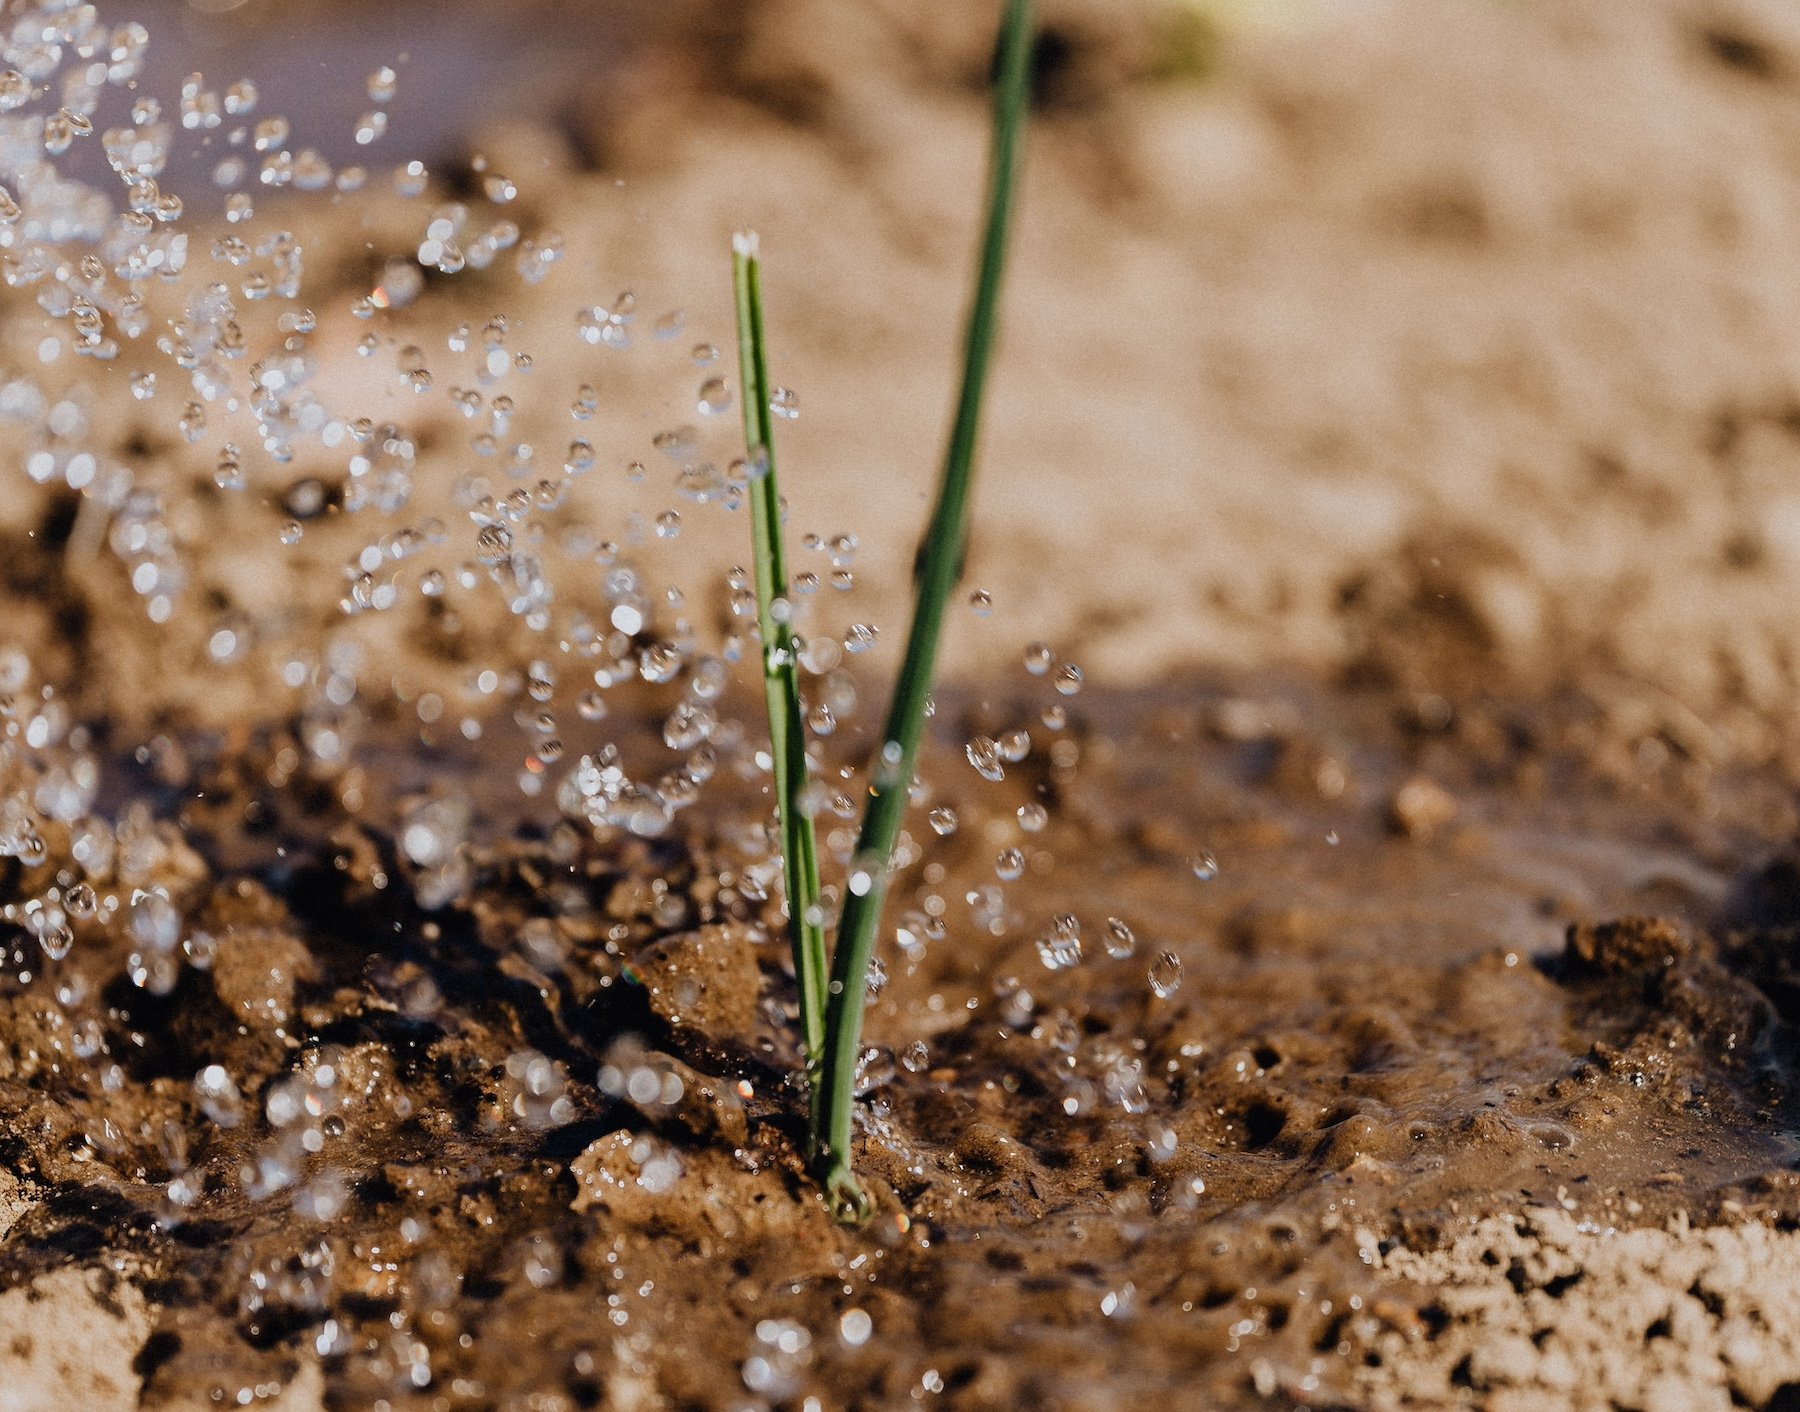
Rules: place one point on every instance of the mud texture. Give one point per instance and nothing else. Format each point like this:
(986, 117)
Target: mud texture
(1363, 1154)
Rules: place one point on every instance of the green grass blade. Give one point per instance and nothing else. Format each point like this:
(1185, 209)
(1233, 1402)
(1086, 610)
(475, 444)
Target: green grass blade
(940, 566)
(781, 676)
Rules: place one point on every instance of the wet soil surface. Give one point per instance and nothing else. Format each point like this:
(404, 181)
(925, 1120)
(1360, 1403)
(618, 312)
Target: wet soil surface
(1393, 965)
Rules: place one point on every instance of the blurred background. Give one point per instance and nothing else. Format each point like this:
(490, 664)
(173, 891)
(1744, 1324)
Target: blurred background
(1441, 347)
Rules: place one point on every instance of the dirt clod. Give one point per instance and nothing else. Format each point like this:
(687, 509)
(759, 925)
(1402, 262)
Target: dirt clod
(707, 980)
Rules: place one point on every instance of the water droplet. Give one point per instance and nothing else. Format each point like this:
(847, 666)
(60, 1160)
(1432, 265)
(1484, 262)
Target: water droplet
(229, 473)
(854, 1328)
(1010, 865)
(59, 133)
(785, 403)
(1068, 679)
(153, 971)
(660, 662)
(984, 755)
(155, 925)
(1061, 947)
(1120, 940)
(981, 603)
(1553, 1135)
(1033, 817)
(218, 1096)
(943, 820)
(432, 832)
(410, 180)
(876, 980)
(688, 725)
(1205, 866)
(1165, 974)
(680, 444)
(56, 939)
(493, 544)
(714, 397)
(305, 498)
(580, 459)
(1038, 658)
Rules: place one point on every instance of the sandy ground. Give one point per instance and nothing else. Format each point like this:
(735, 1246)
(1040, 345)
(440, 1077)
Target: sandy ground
(1486, 307)
(1547, 1310)
(1476, 320)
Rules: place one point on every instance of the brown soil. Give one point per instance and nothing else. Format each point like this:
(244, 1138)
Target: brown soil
(1395, 423)
(1090, 1195)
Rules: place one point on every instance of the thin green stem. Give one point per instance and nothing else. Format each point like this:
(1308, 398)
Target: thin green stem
(940, 565)
(781, 677)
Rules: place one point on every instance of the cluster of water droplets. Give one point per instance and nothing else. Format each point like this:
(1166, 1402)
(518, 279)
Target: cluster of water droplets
(535, 1090)
(125, 278)
(83, 873)
(484, 491)
(480, 506)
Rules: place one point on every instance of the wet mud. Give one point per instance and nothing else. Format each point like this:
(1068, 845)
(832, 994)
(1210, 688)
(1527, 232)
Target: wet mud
(539, 1146)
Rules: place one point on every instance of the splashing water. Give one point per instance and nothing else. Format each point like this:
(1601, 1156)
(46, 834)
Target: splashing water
(399, 513)
(1165, 975)
(1060, 948)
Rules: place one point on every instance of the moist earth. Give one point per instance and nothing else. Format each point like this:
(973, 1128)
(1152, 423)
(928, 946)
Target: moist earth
(1527, 1135)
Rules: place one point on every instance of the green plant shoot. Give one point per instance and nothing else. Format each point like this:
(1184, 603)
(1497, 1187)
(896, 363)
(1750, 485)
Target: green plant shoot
(781, 679)
(940, 565)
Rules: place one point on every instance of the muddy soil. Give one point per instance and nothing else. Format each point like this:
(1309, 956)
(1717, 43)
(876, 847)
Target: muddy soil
(1372, 984)
(1304, 1144)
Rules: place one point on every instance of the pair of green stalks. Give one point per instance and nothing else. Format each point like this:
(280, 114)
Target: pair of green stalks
(831, 985)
